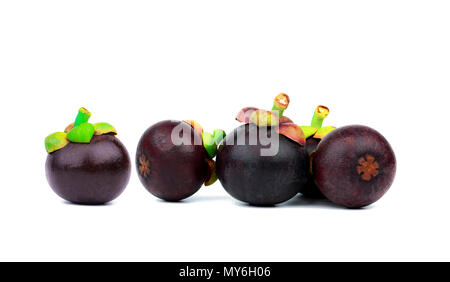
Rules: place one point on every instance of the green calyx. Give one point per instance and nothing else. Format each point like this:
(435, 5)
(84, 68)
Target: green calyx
(56, 141)
(308, 131)
(323, 131)
(261, 117)
(218, 135)
(211, 141)
(80, 131)
(316, 130)
(264, 118)
(273, 117)
(101, 128)
(284, 125)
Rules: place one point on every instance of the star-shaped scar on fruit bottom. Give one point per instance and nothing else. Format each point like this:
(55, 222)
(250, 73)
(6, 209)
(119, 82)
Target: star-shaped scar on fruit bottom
(144, 166)
(367, 167)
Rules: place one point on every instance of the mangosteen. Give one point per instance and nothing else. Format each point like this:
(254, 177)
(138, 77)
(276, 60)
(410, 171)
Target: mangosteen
(87, 163)
(314, 133)
(311, 145)
(354, 166)
(175, 158)
(264, 161)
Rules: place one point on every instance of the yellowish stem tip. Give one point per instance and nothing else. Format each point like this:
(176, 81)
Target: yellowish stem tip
(281, 101)
(322, 111)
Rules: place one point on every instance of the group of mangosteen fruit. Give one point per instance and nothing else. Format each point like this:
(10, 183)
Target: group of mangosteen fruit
(265, 161)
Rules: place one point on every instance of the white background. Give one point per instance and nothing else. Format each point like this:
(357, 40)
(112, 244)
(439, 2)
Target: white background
(385, 64)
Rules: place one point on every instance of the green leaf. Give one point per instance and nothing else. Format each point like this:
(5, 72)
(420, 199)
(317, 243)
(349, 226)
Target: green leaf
(308, 131)
(323, 131)
(209, 143)
(104, 128)
(218, 135)
(56, 141)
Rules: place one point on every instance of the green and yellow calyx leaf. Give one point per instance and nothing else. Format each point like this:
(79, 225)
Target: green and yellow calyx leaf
(56, 141)
(323, 131)
(80, 131)
(101, 128)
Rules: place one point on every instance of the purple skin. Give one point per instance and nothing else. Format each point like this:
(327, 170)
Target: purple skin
(168, 171)
(311, 145)
(354, 166)
(91, 174)
(310, 190)
(261, 180)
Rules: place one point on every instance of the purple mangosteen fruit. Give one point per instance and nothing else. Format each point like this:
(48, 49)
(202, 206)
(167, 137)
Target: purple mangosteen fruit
(263, 162)
(175, 158)
(87, 164)
(354, 166)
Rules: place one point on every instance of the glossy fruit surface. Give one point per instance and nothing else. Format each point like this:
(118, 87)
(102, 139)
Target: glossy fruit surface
(89, 173)
(354, 166)
(171, 171)
(261, 180)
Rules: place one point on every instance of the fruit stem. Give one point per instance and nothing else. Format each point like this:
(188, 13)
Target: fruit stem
(82, 117)
(320, 114)
(280, 103)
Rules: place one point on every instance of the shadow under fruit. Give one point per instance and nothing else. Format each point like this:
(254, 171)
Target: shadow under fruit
(87, 164)
(354, 166)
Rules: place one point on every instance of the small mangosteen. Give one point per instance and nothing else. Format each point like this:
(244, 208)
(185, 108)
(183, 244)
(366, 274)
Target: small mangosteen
(264, 161)
(87, 164)
(354, 166)
(175, 158)
(314, 133)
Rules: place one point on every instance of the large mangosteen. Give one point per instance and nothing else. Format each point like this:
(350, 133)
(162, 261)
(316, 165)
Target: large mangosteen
(264, 161)
(354, 166)
(87, 164)
(175, 158)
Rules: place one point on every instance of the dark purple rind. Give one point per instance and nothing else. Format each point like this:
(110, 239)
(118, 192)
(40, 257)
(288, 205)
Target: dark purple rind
(93, 173)
(310, 190)
(311, 145)
(261, 180)
(175, 171)
(336, 159)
